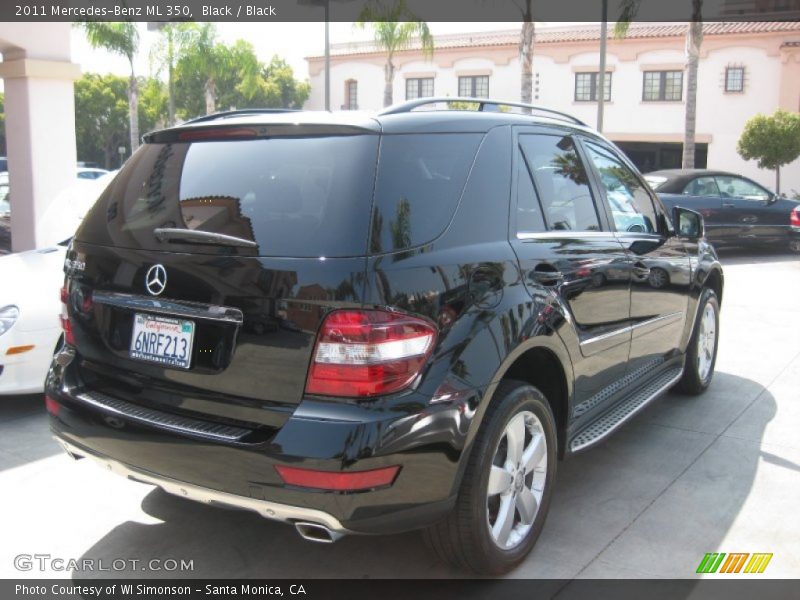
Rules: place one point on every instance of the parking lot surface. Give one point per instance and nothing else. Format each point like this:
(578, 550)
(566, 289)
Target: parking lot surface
(716, 473)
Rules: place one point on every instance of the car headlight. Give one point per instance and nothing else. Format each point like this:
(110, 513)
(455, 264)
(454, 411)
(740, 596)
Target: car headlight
(8, 316)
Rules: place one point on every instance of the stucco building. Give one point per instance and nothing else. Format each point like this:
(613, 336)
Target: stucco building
(745, 69)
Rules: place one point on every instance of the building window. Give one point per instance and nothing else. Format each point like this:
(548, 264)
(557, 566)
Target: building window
(474, 87)
(350, 95)
(734, 79)
(663, 85)
(419, 87)
(587, 84)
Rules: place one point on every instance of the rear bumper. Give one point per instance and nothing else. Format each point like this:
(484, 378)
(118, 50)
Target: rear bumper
(265, 508)
(426, 441)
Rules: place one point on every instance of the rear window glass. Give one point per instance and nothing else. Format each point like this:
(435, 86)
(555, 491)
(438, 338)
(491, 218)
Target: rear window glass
(420, 181)
(298, 197)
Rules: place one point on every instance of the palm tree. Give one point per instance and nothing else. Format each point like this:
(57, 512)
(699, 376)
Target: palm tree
(694, 38)
(205, 55)
(121, 39)
(165, 54)
(392, 35)
(526, 40)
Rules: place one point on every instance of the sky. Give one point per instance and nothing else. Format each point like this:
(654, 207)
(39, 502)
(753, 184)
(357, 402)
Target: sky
(291, 41)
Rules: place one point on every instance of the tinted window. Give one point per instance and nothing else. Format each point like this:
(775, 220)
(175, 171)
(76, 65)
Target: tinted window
(561, 183)
(296, 197)
(702, 186)
(420, 180)
(529, 211)
(735, 187)
(631, 206)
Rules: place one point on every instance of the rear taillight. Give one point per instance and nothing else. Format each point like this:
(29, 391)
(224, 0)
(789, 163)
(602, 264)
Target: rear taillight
(362, 353)
(66, 326)
(336, 480)
(794, 217)
(52, 406)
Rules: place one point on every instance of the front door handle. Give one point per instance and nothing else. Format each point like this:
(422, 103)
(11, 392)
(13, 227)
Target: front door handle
(728, 205)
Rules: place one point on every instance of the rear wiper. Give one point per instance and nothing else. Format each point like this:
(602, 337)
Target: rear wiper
(197, 236)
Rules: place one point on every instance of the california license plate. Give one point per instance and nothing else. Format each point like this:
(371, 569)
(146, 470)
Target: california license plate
(162, 340)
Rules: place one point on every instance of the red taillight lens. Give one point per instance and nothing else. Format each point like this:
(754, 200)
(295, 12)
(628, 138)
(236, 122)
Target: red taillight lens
(794, 217)
(338, 481)
(52, 406)
(66, 326)
(362, 353)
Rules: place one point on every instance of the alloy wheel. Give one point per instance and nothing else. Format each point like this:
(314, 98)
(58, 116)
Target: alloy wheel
(706, 341)
(516, 480)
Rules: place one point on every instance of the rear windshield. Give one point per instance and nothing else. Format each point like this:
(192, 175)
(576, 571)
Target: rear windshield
(298, 197)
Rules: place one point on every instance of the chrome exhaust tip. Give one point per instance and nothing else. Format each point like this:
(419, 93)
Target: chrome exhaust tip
(314, 532)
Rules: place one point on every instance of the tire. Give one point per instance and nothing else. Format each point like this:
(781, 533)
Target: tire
(465, 538)
(794, 246)
(697, 374)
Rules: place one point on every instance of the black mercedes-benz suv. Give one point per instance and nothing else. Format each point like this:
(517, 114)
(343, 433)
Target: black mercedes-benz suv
(372, 324)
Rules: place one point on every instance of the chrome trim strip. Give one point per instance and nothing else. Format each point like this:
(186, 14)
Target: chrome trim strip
(560, 235)
(265, 508)
(175, 308)
(627, 417)
(605, 336)
(162, 420)
(668, 318)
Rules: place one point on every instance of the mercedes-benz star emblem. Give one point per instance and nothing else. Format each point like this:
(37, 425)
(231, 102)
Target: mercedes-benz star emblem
(156, 279)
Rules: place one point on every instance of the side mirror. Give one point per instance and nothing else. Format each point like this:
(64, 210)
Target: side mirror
(688, 223)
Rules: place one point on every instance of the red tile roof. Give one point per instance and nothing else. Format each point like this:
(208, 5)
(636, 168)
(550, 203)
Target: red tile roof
(574, 33)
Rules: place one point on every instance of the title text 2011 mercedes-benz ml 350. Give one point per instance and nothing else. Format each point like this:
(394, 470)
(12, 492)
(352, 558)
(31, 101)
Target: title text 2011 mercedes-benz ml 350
(372, 324)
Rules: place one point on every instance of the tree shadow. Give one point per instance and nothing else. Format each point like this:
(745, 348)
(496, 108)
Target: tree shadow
(601, 495)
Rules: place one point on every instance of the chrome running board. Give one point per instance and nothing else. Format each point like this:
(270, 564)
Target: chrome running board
(619, 414)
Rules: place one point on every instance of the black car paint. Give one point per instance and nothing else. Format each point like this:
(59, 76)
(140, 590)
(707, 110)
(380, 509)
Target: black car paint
(476, 281)
(731, 221)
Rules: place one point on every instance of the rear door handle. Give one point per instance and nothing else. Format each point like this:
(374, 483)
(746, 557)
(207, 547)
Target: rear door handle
(728, 205)
(547, 274)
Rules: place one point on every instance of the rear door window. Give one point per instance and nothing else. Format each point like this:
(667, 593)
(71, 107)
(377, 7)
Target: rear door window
(560, 181)
(420, 181)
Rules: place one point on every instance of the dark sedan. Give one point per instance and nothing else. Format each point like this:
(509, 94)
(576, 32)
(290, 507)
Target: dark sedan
(737, 210)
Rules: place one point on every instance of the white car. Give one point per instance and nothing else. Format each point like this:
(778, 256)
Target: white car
(30, 307)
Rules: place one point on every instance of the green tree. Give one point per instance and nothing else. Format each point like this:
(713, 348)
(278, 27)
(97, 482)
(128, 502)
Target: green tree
(222, 69)
(101, 114)
(694, 38)
(248, 84)
(164, 55)
(121, 39)
(153, 104)
(394, 28)
(773, 141)
(281, 89)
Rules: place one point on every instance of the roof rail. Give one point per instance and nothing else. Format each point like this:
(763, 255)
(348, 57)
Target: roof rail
(482, 103)
(240, 112)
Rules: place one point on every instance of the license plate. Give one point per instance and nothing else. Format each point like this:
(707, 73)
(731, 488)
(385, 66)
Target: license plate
(162, 340)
